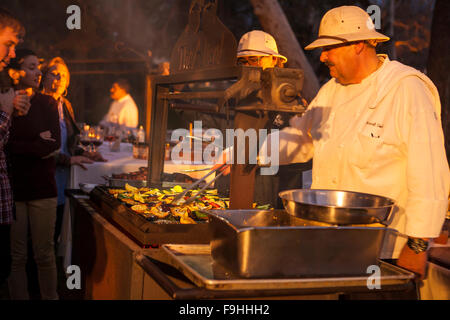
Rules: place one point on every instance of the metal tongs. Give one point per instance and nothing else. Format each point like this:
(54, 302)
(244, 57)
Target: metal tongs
(194, 185)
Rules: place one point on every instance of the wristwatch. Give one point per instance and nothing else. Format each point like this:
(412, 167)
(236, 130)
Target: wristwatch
(417, 245)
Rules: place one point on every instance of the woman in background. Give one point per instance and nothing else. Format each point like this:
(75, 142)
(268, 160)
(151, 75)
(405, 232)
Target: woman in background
(55, 81)
(34, 138)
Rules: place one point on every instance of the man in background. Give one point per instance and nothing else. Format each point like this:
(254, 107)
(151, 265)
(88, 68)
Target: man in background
(11, 103)
(123, 110)
(259, 49)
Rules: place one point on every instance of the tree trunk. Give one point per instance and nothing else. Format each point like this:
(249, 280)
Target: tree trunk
(439, 62)
(274, 21)
(393, 53)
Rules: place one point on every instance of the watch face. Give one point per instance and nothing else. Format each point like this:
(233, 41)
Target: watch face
(279, 120)
(417, 245)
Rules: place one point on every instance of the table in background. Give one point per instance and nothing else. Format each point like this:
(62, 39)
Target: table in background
(123, 162)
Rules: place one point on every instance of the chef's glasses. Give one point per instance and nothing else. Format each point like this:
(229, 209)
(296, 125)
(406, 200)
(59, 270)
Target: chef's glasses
(249, 61)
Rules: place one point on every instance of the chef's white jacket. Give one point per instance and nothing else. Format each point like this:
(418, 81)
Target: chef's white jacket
(382, 136)
(124, 112)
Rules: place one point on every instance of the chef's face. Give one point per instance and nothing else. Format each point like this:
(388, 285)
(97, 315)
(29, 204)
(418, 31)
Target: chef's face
(258, 61)
(340, 59)
(8, 43)
(117, 92)
(31, 75)
(57, 80)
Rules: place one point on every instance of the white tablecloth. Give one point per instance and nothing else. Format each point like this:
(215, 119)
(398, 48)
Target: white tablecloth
(123, 162)
(118, 162)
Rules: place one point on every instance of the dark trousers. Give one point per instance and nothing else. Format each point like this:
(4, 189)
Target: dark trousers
(5, 252)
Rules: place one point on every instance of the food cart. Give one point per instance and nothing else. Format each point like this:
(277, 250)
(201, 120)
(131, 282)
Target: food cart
(115, 265)
(123, 256)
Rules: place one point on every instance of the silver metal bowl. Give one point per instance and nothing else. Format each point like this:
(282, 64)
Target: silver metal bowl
(337, 207)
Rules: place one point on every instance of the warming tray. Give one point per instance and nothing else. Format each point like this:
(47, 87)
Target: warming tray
(273, 243)
(169, 180)
(197, 264)
(147, 233)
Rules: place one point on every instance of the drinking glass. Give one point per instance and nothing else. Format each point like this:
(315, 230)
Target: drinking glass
(97, 136)
(85, 138)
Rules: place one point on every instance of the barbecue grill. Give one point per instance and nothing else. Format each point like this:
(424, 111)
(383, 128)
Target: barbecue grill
(204, 58)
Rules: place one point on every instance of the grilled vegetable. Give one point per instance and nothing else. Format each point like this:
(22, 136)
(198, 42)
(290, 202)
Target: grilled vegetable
(154, 204)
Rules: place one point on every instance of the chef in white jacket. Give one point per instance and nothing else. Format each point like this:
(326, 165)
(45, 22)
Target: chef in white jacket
(375, 128)
(123, 109)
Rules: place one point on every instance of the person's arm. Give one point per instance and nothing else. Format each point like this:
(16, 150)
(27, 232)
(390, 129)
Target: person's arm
(11, 103)
(6, 109)
(110, 116)
(295, 144)
(427, 167)
(62, 159)
(39, 146)
(5, 122)
(428, 176)
(7, 101)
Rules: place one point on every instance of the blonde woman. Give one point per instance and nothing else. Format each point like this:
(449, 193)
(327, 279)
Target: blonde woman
(55, 81)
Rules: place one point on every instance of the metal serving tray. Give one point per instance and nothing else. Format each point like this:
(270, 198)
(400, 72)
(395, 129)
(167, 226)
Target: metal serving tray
(146, 232)
(197, 264)
(120, 183)
(272, 243)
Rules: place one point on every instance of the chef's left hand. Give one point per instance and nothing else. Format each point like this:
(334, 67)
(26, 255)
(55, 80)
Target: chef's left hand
(415, 262)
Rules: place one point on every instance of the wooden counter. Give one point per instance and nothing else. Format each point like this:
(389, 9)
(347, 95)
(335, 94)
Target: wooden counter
(113, 266)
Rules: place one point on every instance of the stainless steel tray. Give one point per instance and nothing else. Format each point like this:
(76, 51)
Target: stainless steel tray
(273, 243)
(120, 183)
(143, 231)
(197, 264)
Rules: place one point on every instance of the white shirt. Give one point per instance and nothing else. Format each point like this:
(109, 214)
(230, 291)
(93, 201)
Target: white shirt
(382, 136)
(124, 112)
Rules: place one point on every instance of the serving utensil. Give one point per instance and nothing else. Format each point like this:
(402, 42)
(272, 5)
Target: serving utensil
(196, 170)
(194, 185)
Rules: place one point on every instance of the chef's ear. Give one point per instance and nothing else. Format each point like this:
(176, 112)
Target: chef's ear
(372, 42)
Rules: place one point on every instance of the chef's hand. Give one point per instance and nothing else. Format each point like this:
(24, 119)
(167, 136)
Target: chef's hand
(21, 103)
(79, 160)
(415, 262)
(95, 156)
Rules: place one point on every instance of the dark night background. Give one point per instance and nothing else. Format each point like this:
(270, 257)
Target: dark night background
(154, 25)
